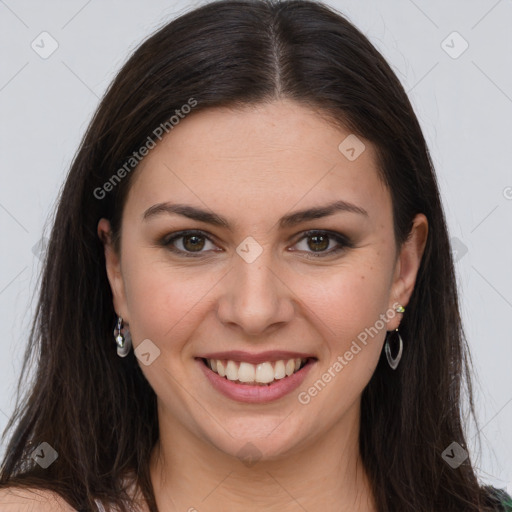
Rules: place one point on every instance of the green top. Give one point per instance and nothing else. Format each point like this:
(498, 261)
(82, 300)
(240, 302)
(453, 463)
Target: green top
(502, 498)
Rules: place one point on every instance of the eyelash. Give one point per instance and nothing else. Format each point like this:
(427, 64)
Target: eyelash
(340, 239)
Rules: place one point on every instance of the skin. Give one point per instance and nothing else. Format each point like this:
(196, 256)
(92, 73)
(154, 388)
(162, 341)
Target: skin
(253, 166)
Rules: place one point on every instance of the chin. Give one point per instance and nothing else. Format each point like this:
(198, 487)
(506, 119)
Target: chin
(252, 442)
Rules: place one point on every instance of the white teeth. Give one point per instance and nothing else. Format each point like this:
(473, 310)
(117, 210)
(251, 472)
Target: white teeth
(279, 370)
(246, 373)
(262, 373)
(220, 369)
(232, 371)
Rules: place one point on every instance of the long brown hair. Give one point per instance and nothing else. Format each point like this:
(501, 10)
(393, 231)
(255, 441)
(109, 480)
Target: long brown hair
(98, 410)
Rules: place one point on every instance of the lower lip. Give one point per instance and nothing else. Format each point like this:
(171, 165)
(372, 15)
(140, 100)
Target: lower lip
(256, 394)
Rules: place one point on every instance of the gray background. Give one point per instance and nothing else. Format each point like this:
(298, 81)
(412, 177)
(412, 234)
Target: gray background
(463, 100)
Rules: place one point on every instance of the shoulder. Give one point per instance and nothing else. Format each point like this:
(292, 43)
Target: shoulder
(17, 499)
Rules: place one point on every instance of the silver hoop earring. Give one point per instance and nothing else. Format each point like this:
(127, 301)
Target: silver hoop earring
(393, 361)
(123, 338)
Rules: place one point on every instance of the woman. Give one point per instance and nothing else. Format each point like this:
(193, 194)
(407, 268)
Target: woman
(253, 214)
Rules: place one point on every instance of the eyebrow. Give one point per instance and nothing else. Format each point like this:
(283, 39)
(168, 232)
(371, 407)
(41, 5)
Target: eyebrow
(286, 221)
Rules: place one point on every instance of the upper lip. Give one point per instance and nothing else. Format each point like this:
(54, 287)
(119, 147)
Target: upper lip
(255, 358)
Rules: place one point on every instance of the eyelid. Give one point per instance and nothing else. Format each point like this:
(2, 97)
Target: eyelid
(333, 234)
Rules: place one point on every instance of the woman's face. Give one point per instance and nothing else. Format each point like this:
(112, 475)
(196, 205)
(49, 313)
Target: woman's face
(255, 289)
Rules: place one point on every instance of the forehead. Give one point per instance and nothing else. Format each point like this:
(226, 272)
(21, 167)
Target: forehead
(260, 160)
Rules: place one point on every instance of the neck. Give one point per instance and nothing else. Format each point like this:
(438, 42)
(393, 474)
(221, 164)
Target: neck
(326, 474)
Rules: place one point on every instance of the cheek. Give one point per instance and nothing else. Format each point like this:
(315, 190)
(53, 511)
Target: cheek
(349, 299)
(353, 331)
(164, 300)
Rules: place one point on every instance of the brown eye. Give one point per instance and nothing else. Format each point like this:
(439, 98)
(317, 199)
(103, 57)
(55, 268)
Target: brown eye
(193, 242)
(187, 243)
(319, 241)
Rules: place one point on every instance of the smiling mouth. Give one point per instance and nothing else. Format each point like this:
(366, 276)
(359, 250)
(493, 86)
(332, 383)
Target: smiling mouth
(261, 374)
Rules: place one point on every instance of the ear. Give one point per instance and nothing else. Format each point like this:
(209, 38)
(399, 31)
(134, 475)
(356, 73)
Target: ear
(113, 267)
(407, 266)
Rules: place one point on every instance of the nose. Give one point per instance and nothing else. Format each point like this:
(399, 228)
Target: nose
(255, 298)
